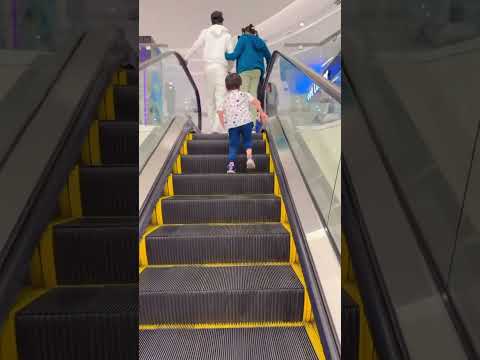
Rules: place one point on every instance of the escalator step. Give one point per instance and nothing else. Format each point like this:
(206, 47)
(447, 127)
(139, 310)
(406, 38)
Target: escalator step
(274, 343)
(220, 136)
(78, 323)
(96, 251)
(204, 184)
(119, 142)
(200, 244)
(132, 76)
(199, 147)
(126, 103)
(201, 164)
(109, 190)
(224, 294)
(194, 209)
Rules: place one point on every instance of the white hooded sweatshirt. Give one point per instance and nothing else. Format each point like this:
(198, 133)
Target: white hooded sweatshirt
(216, 41)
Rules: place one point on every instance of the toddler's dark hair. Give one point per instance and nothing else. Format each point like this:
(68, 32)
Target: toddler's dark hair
(250, 29)
(217, 18)
(233, 82)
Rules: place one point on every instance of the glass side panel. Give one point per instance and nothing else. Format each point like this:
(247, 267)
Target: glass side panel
(400, 58)
(463, 279)
(311, 120)
(165, 93)
(46, 24)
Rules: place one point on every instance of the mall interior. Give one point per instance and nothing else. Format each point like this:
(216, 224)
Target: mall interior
(125, 238)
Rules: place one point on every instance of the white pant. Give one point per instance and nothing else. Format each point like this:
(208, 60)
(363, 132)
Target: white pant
(216, 91)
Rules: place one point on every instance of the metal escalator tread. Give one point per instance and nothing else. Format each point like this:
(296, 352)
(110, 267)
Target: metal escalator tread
(200, 209)
(78, 323)
(221, 136)
(290, 343)
(223, 294)
(217, 164)
(198, 147)
(118, 142)
(200, 244)
(109, 190)
(126, 103)
(96, 251)
(191, 184)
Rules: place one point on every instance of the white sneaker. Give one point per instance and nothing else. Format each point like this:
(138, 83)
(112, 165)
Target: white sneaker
(231, 168)
(251, 164)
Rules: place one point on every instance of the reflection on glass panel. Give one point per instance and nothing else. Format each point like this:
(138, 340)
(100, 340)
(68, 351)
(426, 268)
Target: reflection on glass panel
(46, 24)
(463, 281)
(311, 120)
(165, 93)
(422, 116)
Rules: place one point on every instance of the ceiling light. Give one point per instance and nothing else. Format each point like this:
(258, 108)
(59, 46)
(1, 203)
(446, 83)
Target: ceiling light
(302, 24)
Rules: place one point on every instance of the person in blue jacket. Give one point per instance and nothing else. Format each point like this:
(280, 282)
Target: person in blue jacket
(250, 52)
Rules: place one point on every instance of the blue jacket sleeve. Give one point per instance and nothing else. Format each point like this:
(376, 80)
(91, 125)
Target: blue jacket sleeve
(267, 54)
(237, 52)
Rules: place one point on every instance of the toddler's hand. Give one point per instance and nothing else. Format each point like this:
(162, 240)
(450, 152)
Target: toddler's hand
(264, 117)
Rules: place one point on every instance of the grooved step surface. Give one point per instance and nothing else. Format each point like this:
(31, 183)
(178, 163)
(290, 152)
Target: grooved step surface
(221, 136)
(197, 244)
(96, 251)
(201, 164)
(119, 142)
(197, 147)
(126, 102)
(209, 184)
(192, 209)
(226, 344)
(109, 190)
(80, 323)
(220, 294)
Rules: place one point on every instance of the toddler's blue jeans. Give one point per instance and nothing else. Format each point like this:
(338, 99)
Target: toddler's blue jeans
(234, 134)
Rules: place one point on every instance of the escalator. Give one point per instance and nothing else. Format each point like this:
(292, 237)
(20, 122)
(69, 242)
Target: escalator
(80, 298)
(408, 176)
(221, 274)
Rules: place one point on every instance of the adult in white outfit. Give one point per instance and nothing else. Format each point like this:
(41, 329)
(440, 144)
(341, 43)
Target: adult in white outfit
(216, 41)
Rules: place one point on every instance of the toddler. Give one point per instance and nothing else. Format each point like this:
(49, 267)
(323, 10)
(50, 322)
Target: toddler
(235, 116)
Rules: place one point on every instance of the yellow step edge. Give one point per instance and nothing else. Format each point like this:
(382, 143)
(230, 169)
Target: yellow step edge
(309, 327)
(222, 325)
(307, 306)
(367, 348)
(8, 341)
(239, 264)
(220, 224)
(143, 245)
(122, 77)
(47, 254)
(109, 104)
(159, 211)
(293, 247)
(314, 337)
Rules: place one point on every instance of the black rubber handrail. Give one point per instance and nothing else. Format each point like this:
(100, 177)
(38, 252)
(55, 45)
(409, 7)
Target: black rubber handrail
(78, 90)
(144, 65)
(329, 341)
(331, 89)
